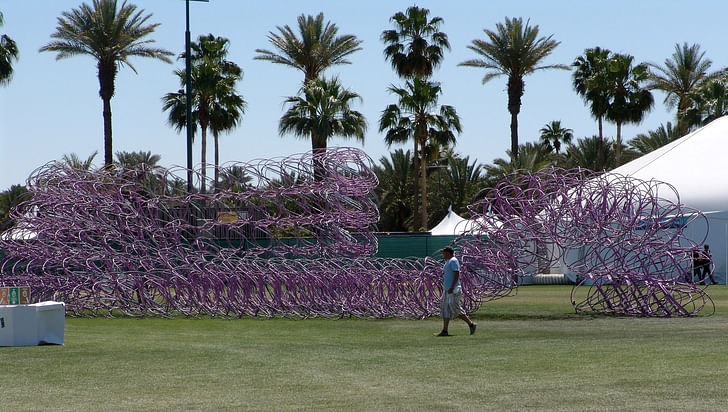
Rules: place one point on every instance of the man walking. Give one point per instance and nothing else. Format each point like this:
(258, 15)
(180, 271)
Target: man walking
(707, 266)
(452, 293)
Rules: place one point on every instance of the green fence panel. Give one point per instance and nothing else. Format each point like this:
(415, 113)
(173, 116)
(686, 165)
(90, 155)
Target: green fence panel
(402, 245)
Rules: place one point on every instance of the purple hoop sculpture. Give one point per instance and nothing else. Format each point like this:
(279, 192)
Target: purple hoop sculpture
(276, 238)
(623, 241)
(292, 237)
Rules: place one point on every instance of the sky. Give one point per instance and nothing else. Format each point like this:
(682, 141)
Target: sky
(51, 108)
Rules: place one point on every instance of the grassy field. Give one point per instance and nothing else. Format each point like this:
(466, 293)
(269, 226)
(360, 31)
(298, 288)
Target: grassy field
(531, 351)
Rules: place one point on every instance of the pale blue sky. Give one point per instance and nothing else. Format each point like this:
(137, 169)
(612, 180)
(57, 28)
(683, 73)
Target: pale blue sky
(52, 108)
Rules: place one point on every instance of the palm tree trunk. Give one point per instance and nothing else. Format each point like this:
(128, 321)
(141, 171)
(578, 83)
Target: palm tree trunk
(318, 150)
(423, 172)
(108, 146)
(618, 149)
(681, 126)
(515, 91)
(203, 155)
(514, 135)
(600, 155)
(107, 74)
(416, 189)
(217, 158)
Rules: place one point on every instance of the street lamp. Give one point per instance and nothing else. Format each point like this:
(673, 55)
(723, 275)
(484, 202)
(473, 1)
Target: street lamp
(438, 165)
(188, 94)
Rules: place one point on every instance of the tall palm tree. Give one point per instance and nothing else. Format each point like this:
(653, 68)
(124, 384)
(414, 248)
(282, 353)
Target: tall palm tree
(72, 160)
(322, 110)
(8, 53)
(216, 104)
(706, 103)
(628, 100)
(225, 116)
(228, 107)
(682, 73)
(553, 135)
(396, 178)
(416, 46)
(654, 139)
(590, 82)
(415, 117)
(514, 50)
(318, 47)
(111, 35)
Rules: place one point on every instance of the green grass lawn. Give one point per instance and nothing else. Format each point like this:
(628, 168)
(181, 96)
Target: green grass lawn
(531, 351)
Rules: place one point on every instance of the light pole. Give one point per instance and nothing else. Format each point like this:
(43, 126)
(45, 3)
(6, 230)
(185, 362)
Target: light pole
(438, 165)
(188, 94)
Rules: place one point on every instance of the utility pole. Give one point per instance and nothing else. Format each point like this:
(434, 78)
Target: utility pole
(188, 94)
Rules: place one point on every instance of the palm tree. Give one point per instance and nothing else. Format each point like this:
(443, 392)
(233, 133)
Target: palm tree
(552, 135)
(137, 160)
(533, 158)
(415, 47)
(225, 116)
(514, 50)
(228, 107)
(415, 117)
(175, 186)
(585, 153)
(396, 180)
(322, 110)
(111, 36)
(590, 82)
(706, 103)
(318, 47)
(75, 162)
(628, 100)
(235, 179)
(143, 169)
(682, 73)
(216, 104)
(654, 139)
(8, 53)
(9, 199)
(464, 179)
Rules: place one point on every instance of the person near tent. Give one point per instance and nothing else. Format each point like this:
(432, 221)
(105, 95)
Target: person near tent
(707, 263)
(452, 293)
(697, 266)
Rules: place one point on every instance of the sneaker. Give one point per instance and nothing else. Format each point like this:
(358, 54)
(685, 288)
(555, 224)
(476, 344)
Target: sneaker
(472, 328)
(443, 333)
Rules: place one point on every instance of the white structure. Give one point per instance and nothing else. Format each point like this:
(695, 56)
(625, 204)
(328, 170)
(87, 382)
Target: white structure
(451, 225)
(454, 225)
(35, 324)
(696, 165)
(22, 230)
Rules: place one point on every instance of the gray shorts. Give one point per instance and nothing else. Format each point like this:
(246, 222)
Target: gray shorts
(450, 306)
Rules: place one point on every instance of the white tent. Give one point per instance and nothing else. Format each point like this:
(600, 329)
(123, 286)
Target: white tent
(697, 166)
(18, 233)
(454, 225)
(451, 225)
(22, 230)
